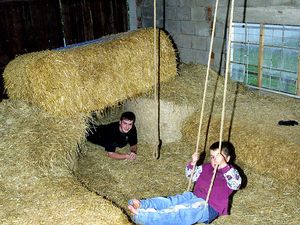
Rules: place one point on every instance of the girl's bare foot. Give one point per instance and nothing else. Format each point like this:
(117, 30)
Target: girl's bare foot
(132, 209)
(136, 203)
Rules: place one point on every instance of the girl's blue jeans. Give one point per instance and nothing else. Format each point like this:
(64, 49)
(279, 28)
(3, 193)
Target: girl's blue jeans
(182, 209)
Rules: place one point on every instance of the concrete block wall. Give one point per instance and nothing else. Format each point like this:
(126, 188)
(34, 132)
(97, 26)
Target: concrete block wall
(189, 22)
(132, 12)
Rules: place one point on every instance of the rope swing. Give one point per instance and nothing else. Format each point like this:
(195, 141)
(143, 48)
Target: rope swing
(204, 91)
(156, 151)
(224, 94)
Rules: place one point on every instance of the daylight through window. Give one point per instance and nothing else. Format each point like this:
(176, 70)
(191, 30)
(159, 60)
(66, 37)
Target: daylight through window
(266, 56)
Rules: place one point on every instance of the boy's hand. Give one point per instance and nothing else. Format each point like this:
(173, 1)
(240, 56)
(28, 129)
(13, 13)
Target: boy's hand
(131, 156)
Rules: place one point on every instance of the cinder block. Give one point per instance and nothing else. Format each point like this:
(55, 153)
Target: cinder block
(188, 27)
(199, 43)
(186, 55)
(160, 23)
(200, 56)
(280, 2)
(183, 13)
(150, 3)
(224, 12)
(170, 13)
(171, 2)
(202, 29)
(159, 13)
(220, 29)
(147, 12)
(217, 64)
(147, 22)
(183, 41)
(224, 3)
(172, 26)
(219, 45)
(240, 3)
(237, 3)
(159, 2)
(147, 3)
(204, 3)
(188, 3)
(273, 15)
(198, 14)
(239, 14)
(257, 3)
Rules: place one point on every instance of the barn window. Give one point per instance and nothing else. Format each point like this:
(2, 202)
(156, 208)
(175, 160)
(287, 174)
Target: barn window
(266, 56)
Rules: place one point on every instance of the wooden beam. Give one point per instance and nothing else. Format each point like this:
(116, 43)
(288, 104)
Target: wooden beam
(261, 54)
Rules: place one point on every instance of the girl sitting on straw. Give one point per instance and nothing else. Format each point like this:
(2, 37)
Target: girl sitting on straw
(191, 207)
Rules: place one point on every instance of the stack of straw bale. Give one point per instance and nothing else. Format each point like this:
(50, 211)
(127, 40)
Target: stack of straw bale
(39, 145)
(39, 158)
(91, 77)
(37, 155)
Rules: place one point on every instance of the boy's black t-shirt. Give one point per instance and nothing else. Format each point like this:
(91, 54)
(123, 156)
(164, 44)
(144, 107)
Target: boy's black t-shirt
(110, 137)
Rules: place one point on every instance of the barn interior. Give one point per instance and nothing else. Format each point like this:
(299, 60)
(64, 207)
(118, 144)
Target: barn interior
(64, 63)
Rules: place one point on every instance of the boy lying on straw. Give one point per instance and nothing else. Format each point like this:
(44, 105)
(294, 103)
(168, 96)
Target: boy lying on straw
(116, 135)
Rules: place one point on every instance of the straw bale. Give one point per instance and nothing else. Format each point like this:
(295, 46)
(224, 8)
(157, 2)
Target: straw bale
(90, 77)
(38, 153)
(171, 117)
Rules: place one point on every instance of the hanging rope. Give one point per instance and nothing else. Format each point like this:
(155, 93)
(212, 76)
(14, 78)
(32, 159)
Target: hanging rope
(155, 80)
(205, 90)
(224, 94)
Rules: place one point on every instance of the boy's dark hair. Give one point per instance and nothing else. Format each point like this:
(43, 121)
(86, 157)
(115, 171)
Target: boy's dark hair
(128, 116)
(226, 147)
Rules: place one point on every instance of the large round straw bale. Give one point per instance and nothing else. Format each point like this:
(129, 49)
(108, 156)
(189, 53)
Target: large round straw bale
(93, 76)
(171, 117)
